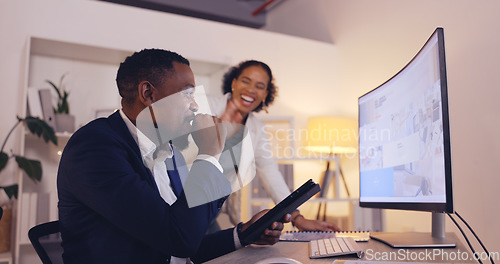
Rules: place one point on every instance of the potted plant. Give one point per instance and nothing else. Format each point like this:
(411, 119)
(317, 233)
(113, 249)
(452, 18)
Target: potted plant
(65, 122)
(32, 168)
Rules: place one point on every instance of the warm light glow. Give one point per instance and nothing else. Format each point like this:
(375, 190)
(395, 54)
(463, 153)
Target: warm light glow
(334, 135)
(59, 152)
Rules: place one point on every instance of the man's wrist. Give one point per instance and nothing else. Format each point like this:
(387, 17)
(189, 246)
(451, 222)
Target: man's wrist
(239, 231)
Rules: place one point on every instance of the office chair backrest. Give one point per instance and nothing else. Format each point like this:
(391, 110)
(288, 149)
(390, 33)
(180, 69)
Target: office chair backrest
(48, 249)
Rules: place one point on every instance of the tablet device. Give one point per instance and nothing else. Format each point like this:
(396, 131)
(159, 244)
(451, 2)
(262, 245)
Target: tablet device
(288, 205)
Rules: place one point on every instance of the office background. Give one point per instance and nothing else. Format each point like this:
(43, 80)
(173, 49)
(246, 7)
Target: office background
(353, 46)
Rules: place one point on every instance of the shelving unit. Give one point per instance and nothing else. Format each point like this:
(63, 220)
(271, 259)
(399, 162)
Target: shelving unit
(5, 258)
(92, 89)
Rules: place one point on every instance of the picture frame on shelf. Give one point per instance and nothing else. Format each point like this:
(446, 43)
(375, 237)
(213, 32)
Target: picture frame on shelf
(46, 105)
(34, 102)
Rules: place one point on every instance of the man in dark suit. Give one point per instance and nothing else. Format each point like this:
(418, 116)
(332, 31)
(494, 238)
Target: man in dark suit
(117, 204)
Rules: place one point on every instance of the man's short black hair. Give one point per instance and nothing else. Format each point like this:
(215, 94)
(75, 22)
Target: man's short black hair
(146, 65)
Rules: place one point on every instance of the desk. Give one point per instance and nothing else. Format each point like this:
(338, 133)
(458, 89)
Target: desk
(374, 250)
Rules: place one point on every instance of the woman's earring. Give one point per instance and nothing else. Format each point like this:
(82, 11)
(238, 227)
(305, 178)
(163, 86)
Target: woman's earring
(264, 106)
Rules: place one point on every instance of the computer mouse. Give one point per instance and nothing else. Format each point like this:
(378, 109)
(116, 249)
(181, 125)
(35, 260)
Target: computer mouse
(278, 260)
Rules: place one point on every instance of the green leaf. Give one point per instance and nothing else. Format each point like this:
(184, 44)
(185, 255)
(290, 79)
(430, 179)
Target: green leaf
(33, 168)
(62, 102)
(55, 88)
(11, 190)
(41, 129)
(4, 158)
(64, 106)
(61, 80)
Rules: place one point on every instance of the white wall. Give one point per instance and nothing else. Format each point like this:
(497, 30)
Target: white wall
(375, 39)
(294, 60)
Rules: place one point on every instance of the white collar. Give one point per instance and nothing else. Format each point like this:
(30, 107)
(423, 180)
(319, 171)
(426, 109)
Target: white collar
(146, 146)
(157, 164)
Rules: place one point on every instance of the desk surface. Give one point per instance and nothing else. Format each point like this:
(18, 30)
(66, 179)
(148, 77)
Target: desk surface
(374, 250)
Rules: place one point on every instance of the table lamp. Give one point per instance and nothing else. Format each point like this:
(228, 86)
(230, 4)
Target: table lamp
(332, 136)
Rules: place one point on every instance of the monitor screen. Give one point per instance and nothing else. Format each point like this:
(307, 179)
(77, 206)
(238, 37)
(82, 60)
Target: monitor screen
(404, 137)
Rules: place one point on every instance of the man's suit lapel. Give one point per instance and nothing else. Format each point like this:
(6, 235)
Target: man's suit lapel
(118, 125)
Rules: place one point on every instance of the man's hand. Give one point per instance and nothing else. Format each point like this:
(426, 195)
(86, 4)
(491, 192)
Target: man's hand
(231, 113)
(208, 134)
(271, 234)
(232, 119)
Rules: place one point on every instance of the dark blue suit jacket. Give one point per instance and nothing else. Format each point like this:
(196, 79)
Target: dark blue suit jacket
(110, 209)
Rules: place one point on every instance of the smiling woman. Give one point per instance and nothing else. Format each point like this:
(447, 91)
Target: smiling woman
(249, 87)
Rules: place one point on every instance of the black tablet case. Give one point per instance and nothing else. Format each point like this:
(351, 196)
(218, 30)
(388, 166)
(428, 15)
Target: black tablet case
(288, 205)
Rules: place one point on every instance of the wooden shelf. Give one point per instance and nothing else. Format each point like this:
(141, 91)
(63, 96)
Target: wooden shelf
(63, 134)
(6, 257)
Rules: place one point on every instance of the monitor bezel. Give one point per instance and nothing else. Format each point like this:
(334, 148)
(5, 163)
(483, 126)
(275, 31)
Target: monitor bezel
(431, 207)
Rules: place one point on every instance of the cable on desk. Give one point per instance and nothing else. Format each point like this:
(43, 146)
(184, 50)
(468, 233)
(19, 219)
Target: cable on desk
(463, 234)
(477, 238)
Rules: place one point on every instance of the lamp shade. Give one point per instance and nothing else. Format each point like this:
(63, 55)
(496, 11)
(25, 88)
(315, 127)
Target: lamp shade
(334, 135)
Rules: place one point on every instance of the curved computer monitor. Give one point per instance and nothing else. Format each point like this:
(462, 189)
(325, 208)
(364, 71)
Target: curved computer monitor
(404, 137)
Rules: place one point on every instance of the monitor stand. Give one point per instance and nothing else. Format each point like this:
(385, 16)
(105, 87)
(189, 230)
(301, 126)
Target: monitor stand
(419, 240)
